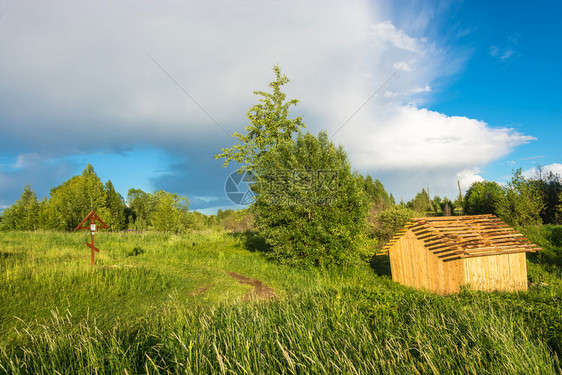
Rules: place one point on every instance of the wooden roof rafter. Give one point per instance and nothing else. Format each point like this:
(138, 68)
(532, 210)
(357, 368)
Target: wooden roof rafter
(465, 236)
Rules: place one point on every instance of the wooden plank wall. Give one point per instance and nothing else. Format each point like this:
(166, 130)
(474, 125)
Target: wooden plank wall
(498, 272)
(414, 265)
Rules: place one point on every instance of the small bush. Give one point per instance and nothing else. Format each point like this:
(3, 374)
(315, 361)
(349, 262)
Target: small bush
(385, 224)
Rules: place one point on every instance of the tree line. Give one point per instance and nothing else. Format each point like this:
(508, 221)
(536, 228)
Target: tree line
(71, 201)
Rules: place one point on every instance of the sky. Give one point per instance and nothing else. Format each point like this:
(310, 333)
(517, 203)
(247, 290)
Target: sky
(421, 94)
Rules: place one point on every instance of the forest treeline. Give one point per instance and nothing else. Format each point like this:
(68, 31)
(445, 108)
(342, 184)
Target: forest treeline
(521, 202)
(71, 201)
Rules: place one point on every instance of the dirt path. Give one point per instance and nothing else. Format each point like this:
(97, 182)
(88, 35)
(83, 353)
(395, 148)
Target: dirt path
(260, 291)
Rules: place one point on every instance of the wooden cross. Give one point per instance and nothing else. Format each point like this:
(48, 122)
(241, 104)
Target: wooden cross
(93, 227)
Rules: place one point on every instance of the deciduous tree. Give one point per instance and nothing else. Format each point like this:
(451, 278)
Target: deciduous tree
(269, 126)
(309, 206)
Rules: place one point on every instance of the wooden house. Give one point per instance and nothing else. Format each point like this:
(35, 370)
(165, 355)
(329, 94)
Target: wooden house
(440, 254)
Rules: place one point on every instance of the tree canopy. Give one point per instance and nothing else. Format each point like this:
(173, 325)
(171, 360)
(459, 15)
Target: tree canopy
(309, 206)
(269, 126)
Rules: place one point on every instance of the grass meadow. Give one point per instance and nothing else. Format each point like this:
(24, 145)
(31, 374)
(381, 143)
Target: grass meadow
(160, 303)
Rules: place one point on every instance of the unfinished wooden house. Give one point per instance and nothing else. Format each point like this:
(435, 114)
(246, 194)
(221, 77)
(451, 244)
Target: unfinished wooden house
(442, 253)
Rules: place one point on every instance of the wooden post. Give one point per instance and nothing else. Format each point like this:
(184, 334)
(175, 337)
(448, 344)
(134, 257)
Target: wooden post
(93, 226)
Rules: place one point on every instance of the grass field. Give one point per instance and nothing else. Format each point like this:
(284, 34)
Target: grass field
(157, 303)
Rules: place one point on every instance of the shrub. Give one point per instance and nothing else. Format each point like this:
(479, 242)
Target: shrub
(387, 223)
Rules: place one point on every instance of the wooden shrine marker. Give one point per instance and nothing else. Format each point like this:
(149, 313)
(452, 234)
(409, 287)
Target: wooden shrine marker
(92, 217)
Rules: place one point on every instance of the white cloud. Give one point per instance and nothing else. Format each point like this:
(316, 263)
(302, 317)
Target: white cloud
(387, 35)
(555, 168)
(467, 177)
(410, 137)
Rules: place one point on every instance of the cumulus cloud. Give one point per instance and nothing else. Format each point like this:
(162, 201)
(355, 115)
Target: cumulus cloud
(467, 177)
(411, 137)
(544, 170)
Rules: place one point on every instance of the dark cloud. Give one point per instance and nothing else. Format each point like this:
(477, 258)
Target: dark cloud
(83, 78)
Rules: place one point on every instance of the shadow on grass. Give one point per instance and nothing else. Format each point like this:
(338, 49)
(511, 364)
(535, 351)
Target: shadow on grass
(252, 241)
(381, 265)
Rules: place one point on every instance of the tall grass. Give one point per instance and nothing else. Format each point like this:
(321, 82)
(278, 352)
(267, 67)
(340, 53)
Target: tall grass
(136, 312)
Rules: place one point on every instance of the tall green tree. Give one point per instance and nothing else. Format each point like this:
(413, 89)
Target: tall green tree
(269, 126)
(115, 208)
(71, 201)
(166, 216)
(521, 203)
(420, 203)
(309, 206)
(375, 191)
(141, 206)
(24, 214)
(386, 224)
(447, 207)
(550, 188)
(170, 211)
(483, 197)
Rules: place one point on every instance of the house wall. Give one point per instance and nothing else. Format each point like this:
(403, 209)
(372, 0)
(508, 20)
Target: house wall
(413, 265)
(497, 272)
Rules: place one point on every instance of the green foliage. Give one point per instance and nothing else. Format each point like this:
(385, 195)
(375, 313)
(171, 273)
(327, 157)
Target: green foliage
(162, 211)
(71, 201)
(309, 207)
(421, 203)
(483, 198)
(68, 204)
(115, 207)
(141, 206)
(385, 224)
(447, 207)
(166, 216)
(24, 214)
(521, 203)
(269, 126)
(236, 220)
(550, 187)
(549, 238)
(375, 192)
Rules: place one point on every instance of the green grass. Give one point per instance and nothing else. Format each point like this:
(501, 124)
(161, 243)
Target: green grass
(138, 311)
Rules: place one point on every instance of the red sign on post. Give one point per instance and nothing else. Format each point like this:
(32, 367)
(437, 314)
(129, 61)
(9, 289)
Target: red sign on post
(89, 222)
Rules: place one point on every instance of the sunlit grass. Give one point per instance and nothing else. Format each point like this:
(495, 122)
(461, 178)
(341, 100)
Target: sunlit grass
(139, 311)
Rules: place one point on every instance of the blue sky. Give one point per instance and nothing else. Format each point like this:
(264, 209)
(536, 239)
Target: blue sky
(476, 93)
